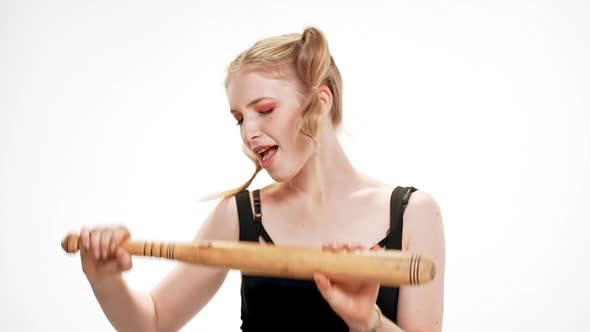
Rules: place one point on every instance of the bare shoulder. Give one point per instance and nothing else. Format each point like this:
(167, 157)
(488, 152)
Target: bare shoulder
(423, 220)
(222, 223)
(423, 203)
(226, 209)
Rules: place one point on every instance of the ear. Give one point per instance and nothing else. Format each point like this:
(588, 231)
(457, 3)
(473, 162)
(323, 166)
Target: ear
(326, 98)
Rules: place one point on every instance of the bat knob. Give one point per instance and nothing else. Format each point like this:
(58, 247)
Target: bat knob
(70, 243)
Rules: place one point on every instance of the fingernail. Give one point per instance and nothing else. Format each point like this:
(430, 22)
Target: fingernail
(96, 254)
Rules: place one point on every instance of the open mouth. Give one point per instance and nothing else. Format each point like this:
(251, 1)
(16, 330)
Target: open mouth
(267, 153)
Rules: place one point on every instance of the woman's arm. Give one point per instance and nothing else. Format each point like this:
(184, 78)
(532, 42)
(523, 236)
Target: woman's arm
(421, 308)
(189, 287)
(125, 309)
(180, 296)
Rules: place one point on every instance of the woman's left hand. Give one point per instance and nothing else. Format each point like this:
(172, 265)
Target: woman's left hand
(354, 302)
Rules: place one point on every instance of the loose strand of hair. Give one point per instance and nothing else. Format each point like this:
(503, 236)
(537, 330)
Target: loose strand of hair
(232, 192)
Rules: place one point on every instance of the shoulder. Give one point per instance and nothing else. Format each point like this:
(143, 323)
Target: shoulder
(423, 219)
(222, 222)
(225, 208)
(421, 202)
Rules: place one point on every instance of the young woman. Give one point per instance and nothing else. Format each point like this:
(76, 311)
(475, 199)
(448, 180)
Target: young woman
(285, 93)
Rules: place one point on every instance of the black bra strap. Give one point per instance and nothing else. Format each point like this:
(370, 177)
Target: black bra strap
(399, 200)
(388, 296)
(258, 217)
(247, 232)
(383, 243)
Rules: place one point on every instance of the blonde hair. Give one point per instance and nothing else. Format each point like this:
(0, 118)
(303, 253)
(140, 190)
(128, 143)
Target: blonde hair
(308, 56)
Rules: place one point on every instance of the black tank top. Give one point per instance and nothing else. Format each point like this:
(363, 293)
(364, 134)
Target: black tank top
(278, 304)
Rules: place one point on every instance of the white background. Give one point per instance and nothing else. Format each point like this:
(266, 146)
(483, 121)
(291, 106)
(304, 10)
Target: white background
(115, 112)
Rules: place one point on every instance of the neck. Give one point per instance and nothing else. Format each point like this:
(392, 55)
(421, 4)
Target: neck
(335, 176)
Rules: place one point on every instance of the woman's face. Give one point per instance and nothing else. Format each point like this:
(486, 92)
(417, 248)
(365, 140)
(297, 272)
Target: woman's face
(268, 111)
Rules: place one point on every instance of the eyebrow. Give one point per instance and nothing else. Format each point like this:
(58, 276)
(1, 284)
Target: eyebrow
(253, 102)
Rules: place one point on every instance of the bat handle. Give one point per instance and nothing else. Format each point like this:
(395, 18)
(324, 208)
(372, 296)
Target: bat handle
(71, 244)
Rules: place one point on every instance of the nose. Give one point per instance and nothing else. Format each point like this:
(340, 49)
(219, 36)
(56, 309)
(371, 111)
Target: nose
(250, 130)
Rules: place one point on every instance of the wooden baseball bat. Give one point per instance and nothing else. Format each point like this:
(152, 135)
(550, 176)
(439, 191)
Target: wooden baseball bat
(391, 268)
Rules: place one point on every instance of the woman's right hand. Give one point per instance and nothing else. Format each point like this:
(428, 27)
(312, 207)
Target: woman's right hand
(101, 252)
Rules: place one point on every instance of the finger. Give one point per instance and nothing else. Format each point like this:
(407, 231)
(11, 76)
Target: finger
(113, 246)
(95, 242)
(120, 235)
(338, 247)
(324, 285)
(332, 292)
(105, 239)
(355, 246)
(124, 259)
(377, 247)
(84, 254)
(330, 246)
(85, 238)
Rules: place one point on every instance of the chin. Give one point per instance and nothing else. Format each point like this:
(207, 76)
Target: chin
(279, 177)
(283, 174)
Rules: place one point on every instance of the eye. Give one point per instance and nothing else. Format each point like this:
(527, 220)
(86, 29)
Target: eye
(263, 111)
